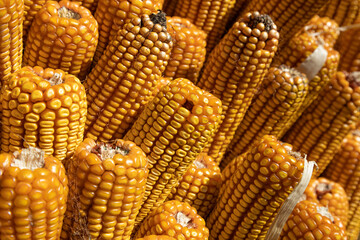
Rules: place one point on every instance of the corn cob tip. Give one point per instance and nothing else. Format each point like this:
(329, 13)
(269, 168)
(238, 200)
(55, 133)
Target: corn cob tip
(65, 12)
(265, 19)
(29, 158)
(200, 162)
(324, 211)
(321, 189)
(159, 18)
(292, 71)
(353, 78)
(109, 150)
(184, 220)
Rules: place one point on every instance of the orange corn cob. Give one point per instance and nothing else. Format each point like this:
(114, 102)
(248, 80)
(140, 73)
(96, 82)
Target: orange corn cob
(33, 195)
(208, 15)
(255, 192)
(11, 25)
(175, 219)
(112, 15)
(188, 54)
(173, 130)
(281, 95)
(89, 4)
(344, 12)
(107, 184)
(329, 194)
(200, 185)
(310, 221)
(156, 237)
(126, 75)
(326, 122)
(31, 8)
(234, 71)
(345, 170)
(62, 36)
(43, 108)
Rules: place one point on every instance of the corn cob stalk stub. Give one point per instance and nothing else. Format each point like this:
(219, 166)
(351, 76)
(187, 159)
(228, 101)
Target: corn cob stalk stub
(64, 36)
(107, 183)
(199, 185)
(133, 63)
(175, 219)
(326, 122)
(344, 12)
(156, 237)
(34, 192)
(188, 54)
(281, 94)
(43, 108)
(112, 15)
(11, 24)
(172, 130)
(31, 8)
(235, 69)
(329, 194)
(344, 169)
(310, 221)
(249, 203)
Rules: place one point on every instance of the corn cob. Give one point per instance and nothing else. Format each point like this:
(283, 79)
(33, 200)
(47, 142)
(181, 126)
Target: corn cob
(329, 194)
(112, 15)
(281, 95)
(326, 122)
(124, 78)
(33, 195)
(175, 219)
(288, 15)
(172, 130)
(208, 15)
(188, 54)
(200, 185)
(255, 192)
(89, 4)
(156, 237)
(348, 46)
(344, 12)
(310, 221)
(43, 108)
(11, 25)
(345, 170)
(163, 81)
(62, 36)
(107, 184)
(31, 8)
(235, 69)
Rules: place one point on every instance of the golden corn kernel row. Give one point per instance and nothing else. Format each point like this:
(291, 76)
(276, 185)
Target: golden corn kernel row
(124, 78)
(344, 12)
(310, 221)
(43, 108)
(31, 8)
(329, 194)
(175, 219)
(172, 131)
(33, 195)
(89, 4)
(199, 185)
(255, 192)
(111, 16)
(326, 122)
(235, 69)
(345, 170)
(62, 36)
(281, 94)
(188, 54)
(107, 184)
(11, 31)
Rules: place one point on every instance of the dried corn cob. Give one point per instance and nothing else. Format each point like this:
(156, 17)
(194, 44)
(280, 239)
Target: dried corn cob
(255, 192)
(344, 12)
(175, 219)
(288, 15)
(188, 54)
(43, 108)
(200, 185)
(62, 36)
(89, 4)
(31, 8)
(133, 64)
(11, 25)
(235, 69)
(112, 15)
(348, 46)
(282, 93)
(172, 130)
(310, 221)
(107, 184)
(33, 195)
(345, 170)
(329, 194)
(210, 16)
(326, 122)
(156, 237)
